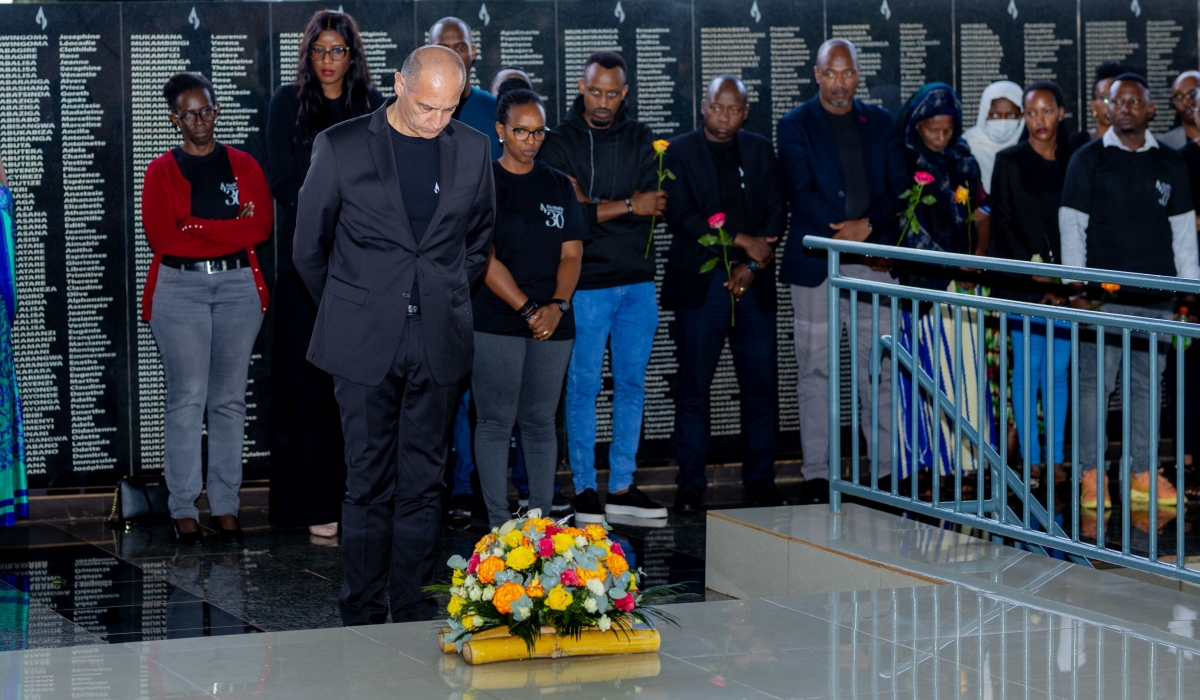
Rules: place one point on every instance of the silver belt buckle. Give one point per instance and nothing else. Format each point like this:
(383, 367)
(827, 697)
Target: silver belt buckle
(208, 266)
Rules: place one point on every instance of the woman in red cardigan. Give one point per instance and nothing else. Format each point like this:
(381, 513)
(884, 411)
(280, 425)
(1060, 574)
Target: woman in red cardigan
(205, 206)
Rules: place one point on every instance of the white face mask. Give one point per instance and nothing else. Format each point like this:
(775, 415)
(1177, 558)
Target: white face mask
(1002, 130)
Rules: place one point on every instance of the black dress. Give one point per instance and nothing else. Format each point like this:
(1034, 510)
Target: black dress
(308, 464)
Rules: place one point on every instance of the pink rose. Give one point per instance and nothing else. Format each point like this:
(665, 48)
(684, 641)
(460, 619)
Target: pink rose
(718, 220)
(545, 548)
(472, 563)
(552, 530)
(923, 178)
(624, 604)
(570, 578)
(616, 549)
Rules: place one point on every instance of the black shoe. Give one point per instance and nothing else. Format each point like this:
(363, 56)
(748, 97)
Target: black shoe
(587, 507)
(635, 503)
(230, 536)
(687, 501)
(561, 505)
(460, 509)
(194, 538)
(765, 494)
(814, 491)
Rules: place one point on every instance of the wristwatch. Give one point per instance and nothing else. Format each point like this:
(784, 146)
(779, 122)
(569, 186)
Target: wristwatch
(564, 305)
(753, 265)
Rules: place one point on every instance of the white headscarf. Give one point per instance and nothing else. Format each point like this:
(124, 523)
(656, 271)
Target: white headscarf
(983, 140)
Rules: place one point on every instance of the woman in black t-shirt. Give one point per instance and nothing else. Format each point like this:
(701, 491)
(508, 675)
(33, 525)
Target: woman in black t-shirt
(524, 325)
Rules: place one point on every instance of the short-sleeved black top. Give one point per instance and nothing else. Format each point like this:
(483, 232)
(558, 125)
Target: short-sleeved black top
(214, 189)
(535, 213)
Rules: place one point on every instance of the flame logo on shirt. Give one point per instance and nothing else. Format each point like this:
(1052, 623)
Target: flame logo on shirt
(619, 13)
(194, 19)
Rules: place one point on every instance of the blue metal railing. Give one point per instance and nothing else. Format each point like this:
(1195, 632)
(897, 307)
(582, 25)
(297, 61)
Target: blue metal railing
(940, 402)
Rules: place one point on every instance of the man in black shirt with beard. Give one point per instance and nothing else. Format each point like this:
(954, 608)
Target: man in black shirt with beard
(720, 168)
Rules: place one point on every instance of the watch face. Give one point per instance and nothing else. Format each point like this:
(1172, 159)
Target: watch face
(565, 306)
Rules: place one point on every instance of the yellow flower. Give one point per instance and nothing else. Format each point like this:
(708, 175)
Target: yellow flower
(489, 568)
(485, 544)
(506, 595)
(536, 590)
(632, 581)
(1109, 287)
(520, 558)
(616, 564)
(596, 533)
(962, 195)
(661, 145)
(586, 575)
(559, 598)
(562, 542)
(538, 524)
(455, 606)
(458, 578)
(513, 538)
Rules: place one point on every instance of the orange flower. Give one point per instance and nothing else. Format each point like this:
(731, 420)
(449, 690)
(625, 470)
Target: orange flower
(489, 568)
(506, 595)
(1110, 287)
(616, 564)
(573, 532)
(536, 590)
(485, 544)
(586, 575)
(660, 146)
(962, 195)
(596, 533)
(538, 524)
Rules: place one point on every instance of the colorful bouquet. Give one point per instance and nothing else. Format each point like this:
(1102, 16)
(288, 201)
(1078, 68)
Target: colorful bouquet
(660, 149)
(534, 575)
(723, 239)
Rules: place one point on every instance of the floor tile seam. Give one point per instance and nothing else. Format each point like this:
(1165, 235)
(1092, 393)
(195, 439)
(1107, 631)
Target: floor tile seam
(684, 660)
(387, 646)
(839, 624)
(259, 630)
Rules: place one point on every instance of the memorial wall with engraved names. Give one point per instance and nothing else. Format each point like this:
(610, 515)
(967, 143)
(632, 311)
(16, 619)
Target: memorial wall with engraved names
(81, 114)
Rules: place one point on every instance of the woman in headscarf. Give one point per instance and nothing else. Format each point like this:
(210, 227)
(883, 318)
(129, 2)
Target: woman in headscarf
(997, 126)
(931, 131)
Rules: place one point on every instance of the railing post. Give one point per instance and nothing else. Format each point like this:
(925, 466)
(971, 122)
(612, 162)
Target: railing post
(835, 384)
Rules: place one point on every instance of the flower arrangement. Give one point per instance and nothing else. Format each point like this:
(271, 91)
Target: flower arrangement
(723, 239)
(534, 575)
(660, 149)
(915, 195)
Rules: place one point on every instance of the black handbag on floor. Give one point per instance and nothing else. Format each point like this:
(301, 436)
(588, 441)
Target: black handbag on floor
(140, 498)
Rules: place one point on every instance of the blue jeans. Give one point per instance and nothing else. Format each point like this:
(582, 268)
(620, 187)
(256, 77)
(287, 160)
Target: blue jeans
(1037, 381)
(629, 314)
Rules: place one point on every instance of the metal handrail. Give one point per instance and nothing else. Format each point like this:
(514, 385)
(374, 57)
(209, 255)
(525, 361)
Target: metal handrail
(1035, 525)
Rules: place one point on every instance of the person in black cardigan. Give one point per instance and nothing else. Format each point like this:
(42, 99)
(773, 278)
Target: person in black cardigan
(308, 466)
(1027, 186)
(722, 169)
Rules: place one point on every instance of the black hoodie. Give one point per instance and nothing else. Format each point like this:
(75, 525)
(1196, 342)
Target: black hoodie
(609, 164)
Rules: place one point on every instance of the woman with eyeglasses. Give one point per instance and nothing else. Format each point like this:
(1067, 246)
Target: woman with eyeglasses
(308, 466)
(524, 325)
(205, 206)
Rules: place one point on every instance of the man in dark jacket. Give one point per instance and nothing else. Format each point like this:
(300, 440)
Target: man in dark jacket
(721, 169)
(611, 160)
(843, 171)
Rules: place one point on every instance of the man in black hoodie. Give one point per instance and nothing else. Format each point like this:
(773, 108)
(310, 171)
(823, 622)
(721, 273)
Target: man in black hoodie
(611, 160)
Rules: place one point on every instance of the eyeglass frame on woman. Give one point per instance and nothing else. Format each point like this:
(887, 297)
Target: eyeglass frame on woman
(191, 117)
(528, 132)
(318, 53)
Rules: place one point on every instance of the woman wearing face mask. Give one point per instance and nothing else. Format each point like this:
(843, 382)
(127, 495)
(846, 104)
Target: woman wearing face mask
(998, 126)
(931, 131)
(1027, 188)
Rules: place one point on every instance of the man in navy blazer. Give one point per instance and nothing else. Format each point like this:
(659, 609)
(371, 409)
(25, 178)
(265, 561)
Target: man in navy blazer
(721, 169)
(843, 170)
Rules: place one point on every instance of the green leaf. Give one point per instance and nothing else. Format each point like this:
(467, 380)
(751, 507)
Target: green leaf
(708, 240)
(669, 174)
(708, 266)
(457, 562)
(929, 200)
(905, 194)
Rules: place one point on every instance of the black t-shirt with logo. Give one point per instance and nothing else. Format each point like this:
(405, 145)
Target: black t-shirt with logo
(214, 189)
(535, 214)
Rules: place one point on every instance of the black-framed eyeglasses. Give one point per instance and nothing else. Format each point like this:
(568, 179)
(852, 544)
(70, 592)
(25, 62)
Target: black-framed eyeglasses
(208, 114)
(335, 54)
(1184, 97)
(522, 134)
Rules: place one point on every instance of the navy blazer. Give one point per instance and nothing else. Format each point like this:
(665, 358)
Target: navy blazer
(694, 196)
(812, 176)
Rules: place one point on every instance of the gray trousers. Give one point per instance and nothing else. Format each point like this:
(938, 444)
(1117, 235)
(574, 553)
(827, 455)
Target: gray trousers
(810, 310)
(517, 381)
(205, 326)
(1139, 396)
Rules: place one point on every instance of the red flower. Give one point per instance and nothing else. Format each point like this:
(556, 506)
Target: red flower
(624, 604)
(472, 563)
(546, 547)
(923, 178)
(616, 549)
(552, 530)
(570, 578)
(716, 220)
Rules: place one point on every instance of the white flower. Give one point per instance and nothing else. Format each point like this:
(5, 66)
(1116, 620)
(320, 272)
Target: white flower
(489, 592)
(498, 551)
(477, 621)
(475, 593)
(569, 555)
(604, 623)
(590, 603)
(455, 590)
(525, 610)
(580, 541)
(596, 586)
(470, 580)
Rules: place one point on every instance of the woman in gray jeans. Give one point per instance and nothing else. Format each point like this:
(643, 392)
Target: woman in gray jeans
(205, 206)
(524, 326)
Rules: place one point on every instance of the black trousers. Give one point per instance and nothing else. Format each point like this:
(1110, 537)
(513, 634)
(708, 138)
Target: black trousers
(397, 436)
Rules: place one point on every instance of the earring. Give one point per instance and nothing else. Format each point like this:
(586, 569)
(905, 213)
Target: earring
(501, 140)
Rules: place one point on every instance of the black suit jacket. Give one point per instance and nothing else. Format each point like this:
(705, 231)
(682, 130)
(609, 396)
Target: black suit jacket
(356, 252)
(694, 196)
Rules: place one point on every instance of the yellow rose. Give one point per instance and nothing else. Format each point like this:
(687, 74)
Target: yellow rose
(536, 590)
(596, 533)
(562, 542)
(455, 606)
(962, 195)
(660, 146)
(485, 544)
(458, 578)
(506, 595)
(632, 582)
(538, 524)
(559, 598)
(489, 568)
(513, 538)
(586, 575)
(520, 558)
(616, 564)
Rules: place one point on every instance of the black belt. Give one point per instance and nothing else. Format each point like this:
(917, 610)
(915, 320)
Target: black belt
(230, 262)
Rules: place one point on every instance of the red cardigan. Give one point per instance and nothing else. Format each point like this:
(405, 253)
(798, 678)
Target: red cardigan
(172, 230)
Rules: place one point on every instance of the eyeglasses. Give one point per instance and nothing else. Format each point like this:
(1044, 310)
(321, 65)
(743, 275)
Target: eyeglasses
(335, 54)
(1184, 97)
(208, 114)
(523, 134)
